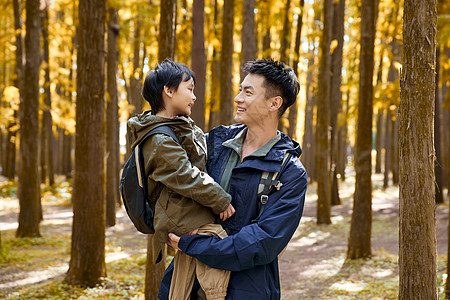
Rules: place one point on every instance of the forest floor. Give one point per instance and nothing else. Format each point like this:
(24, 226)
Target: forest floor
(313, 266)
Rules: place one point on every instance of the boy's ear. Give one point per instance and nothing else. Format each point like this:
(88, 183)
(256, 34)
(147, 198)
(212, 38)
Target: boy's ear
(168, 91)
(275, 103)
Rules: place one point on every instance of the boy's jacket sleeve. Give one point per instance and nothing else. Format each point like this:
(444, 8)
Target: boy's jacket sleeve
(170, 165)
(257, 243)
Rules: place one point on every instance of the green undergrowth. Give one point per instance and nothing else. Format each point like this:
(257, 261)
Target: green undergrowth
(8, 188)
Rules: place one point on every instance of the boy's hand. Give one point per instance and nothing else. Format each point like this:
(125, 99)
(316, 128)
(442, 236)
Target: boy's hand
(227, 213)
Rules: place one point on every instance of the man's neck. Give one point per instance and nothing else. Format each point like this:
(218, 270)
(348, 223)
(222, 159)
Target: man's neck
(257, 136)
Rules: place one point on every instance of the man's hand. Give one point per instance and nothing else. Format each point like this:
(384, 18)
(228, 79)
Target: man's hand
(227, 213)
(174, 239)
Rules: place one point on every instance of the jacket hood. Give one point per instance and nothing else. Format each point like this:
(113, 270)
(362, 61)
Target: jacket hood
(141, 124)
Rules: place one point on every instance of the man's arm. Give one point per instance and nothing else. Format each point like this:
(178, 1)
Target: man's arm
(170, 165)
(254, 244)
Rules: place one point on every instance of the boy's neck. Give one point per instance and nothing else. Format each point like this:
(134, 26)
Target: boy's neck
(166, 113)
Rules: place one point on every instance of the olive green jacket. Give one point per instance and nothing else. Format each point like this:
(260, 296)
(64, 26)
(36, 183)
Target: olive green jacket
(188, 197)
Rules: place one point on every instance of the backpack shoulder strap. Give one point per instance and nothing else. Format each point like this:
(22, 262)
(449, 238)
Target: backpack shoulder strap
(268, 181)
(164, 129)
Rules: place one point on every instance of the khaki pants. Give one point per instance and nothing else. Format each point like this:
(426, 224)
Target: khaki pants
(213, 281)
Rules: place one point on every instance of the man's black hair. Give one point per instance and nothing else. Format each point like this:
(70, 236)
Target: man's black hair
(167, 73)
(279, 80)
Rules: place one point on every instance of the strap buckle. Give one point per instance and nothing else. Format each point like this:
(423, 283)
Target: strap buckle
(264, 199)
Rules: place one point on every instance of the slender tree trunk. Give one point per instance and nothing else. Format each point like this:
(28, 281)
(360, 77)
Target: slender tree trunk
(47, 168)
(153, 275)
(226, 64)
(378, 139)
(361, 224)
(394, 150)
(293, 110)
(307, 157)
(198, 59)
(10, 163)
(323, 170)
(437, 134)
(29, 183)
(112, 120)
(248, 37)
(417, 242)
(87, 261)
(167, 29)
(343, 140)
(267, 38)
(214, 119)
(335, 93)
(387, 148)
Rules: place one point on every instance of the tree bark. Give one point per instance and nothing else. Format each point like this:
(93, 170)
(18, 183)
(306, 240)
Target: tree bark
(167, 30)
(226, 64)
(47, 168)
(87, 261)
(153, 275)
(417, 242)
(10, 162)
(214, 119)
(293, 110)
(335, 93)
(379, 136)
(361, 224)
(267, 38)
(29, 183)
(308, 157)
(439, 197)
(248, 37)
(323, 169)
(198, 60)
(387, 148)
(112, 120)
(394, 150)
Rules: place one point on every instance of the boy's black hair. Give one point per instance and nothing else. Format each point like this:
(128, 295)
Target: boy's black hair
(167, 73)
(280, 80)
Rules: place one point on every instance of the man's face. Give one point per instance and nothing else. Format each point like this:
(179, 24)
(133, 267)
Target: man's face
(252, 104)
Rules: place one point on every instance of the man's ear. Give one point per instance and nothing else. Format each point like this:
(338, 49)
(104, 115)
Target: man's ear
(275, 103)
(168, 91)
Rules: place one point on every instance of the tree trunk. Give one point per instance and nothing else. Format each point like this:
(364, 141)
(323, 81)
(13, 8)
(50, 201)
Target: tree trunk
(47, 168)
(361, 224)
(293, 110)
(437, 134)
(29, 183)
(335, 93)
(323, 170)
(248, 37)
(214, 119)
(198, 61)
(285, 35)
(379, 136)
(226, 64)
(267, 38)
(167, 30)
(394, 150)
(387, 148)
(112, 120)
(87, 261)
(10, 163)
(342, 161)
(417, 241)
(308, 157)
(67, 154)
(153, 275)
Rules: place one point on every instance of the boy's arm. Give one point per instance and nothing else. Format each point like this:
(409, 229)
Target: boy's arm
(170, 165)
(254, 244)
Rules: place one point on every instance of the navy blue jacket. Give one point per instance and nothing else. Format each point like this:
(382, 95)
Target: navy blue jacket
(251, 251)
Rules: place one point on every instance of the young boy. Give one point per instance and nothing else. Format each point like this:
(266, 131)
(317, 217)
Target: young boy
(187, 197)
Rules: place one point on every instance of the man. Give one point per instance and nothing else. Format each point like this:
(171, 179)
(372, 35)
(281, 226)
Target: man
(237, 155)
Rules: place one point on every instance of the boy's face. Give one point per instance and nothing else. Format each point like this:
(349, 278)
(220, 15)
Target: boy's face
(183, 98)
(252, 104)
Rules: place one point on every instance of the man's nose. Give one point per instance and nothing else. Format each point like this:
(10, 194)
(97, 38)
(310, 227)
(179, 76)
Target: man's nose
(238, 98)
